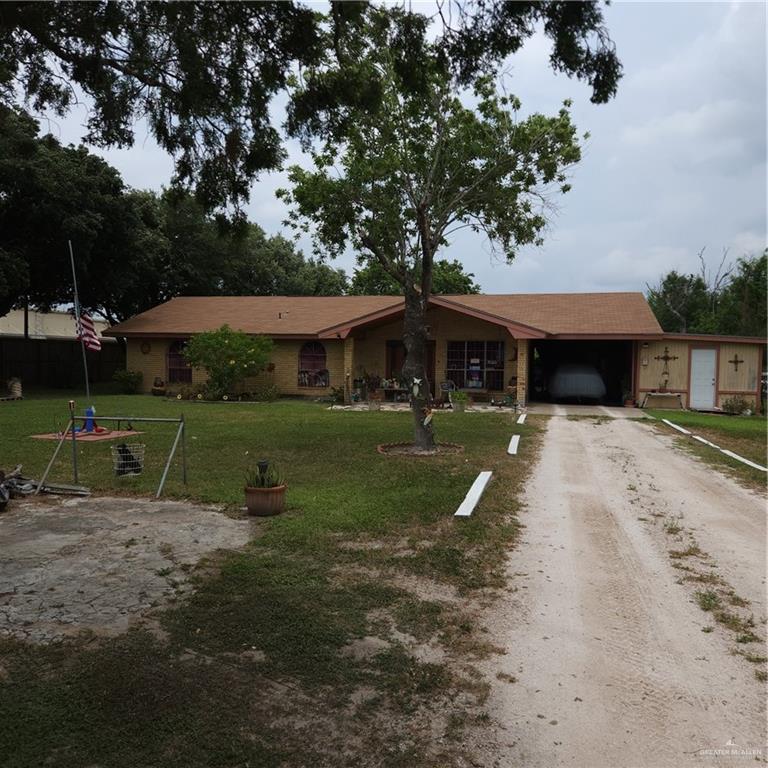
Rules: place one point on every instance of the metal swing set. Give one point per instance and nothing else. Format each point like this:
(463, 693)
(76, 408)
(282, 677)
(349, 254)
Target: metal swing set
(71, 431)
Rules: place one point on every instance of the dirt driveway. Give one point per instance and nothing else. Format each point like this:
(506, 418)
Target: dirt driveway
(100, 564)
(609, 659)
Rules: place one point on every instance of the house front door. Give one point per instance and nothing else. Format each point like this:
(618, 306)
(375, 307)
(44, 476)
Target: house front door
(396, 360)
(703, 378)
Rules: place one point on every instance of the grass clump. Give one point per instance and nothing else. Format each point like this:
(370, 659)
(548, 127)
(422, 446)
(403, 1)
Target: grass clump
(690, 551)
(708, 600)
(734, 622)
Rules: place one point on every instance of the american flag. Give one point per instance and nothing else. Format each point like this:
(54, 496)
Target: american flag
(86, 331)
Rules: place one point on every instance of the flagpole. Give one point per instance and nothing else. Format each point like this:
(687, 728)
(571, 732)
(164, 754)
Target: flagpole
(77, 321)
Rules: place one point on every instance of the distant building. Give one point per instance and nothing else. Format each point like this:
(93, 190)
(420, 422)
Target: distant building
(41, 349)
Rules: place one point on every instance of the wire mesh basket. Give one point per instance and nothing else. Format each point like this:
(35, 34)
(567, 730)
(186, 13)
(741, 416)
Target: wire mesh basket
(128, 459)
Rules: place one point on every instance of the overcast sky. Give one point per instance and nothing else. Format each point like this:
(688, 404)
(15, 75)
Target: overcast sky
(676, 162)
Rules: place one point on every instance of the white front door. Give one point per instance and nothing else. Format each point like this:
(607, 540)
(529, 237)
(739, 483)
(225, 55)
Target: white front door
(703, 374)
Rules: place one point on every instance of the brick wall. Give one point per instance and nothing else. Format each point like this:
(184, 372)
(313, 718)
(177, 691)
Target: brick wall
(285, 357)
(522, 371)
(444, 326)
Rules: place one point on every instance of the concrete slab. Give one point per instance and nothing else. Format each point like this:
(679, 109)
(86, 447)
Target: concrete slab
(100, 563)
(604, 411)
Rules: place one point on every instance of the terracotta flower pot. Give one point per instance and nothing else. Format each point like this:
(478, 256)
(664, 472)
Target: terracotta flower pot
(265, 501)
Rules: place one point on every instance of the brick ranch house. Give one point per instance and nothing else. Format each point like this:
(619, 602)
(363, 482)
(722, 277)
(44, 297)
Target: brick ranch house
(486, 344)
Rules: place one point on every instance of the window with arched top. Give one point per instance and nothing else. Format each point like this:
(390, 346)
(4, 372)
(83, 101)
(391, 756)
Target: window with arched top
(313, 370)
(179, 371)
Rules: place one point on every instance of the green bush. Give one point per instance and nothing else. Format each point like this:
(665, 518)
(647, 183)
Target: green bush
(736, 405)
(228, 357)
(265, 393)
(129, 381)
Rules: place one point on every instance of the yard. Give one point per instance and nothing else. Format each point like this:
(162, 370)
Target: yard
(746, 436)
(344, 633)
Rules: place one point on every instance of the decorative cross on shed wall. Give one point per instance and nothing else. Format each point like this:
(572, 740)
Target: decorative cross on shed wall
(736, 362)
(666, 357)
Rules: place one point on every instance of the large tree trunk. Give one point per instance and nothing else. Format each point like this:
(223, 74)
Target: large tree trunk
(415, 366)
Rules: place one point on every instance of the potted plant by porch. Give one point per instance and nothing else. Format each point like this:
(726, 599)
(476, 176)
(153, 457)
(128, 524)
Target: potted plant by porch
(459, 401)
(629, 401)
(264, 490)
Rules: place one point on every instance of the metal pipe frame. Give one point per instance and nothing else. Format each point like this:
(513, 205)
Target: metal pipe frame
(70, 429)
(70, 425)
(129, 418)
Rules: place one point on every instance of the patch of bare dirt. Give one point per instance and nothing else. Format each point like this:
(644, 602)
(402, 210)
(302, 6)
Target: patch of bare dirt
(409, 449)
(101, 564)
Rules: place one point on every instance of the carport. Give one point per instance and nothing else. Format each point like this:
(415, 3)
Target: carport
(613, 361)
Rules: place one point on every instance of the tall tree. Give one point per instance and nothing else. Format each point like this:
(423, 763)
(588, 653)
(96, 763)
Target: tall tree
(203, 74)
(271, 266)
(133, 248)
(50, 194)
(680, 302)
(730, 300)
(743, 303)
(448, 277)
(396, 184)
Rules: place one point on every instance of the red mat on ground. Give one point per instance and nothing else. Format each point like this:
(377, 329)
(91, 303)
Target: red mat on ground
(90, 437)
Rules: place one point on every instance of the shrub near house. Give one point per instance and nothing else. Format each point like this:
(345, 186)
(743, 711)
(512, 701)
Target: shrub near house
(229, 357)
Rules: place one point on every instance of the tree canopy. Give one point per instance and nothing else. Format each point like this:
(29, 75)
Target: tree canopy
(133, 248)
(448, 277)
(732, 302)
(204, 74)
(395, 185)
(48, 195)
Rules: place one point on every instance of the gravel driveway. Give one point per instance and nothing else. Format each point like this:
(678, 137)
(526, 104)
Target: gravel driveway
(606, 662)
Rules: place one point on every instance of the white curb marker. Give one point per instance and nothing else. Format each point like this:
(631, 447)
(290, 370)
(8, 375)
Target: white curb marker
(743, 460)
(676, 426)
(706, 442)
(521, 418)
(717, 447)
(513, 443)
(473, 495)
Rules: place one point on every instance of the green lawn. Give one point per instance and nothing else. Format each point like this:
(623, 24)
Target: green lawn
(746, 436)
(368, 546)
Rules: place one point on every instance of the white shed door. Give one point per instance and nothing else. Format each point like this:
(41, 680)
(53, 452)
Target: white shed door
(703, 378)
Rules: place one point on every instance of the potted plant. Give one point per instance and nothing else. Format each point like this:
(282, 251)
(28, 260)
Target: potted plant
(459, 401)
(264, 490)
(628, 400)
(374, 400)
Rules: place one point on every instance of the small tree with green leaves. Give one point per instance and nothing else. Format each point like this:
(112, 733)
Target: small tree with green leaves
(228, 357)
(396, 184)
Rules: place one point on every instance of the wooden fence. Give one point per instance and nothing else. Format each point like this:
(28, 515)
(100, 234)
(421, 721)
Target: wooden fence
(56, 363)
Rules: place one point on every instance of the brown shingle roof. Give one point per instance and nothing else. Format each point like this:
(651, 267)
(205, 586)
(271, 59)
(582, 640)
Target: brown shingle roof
(563, 314)
(268, 315)
(571, 313)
